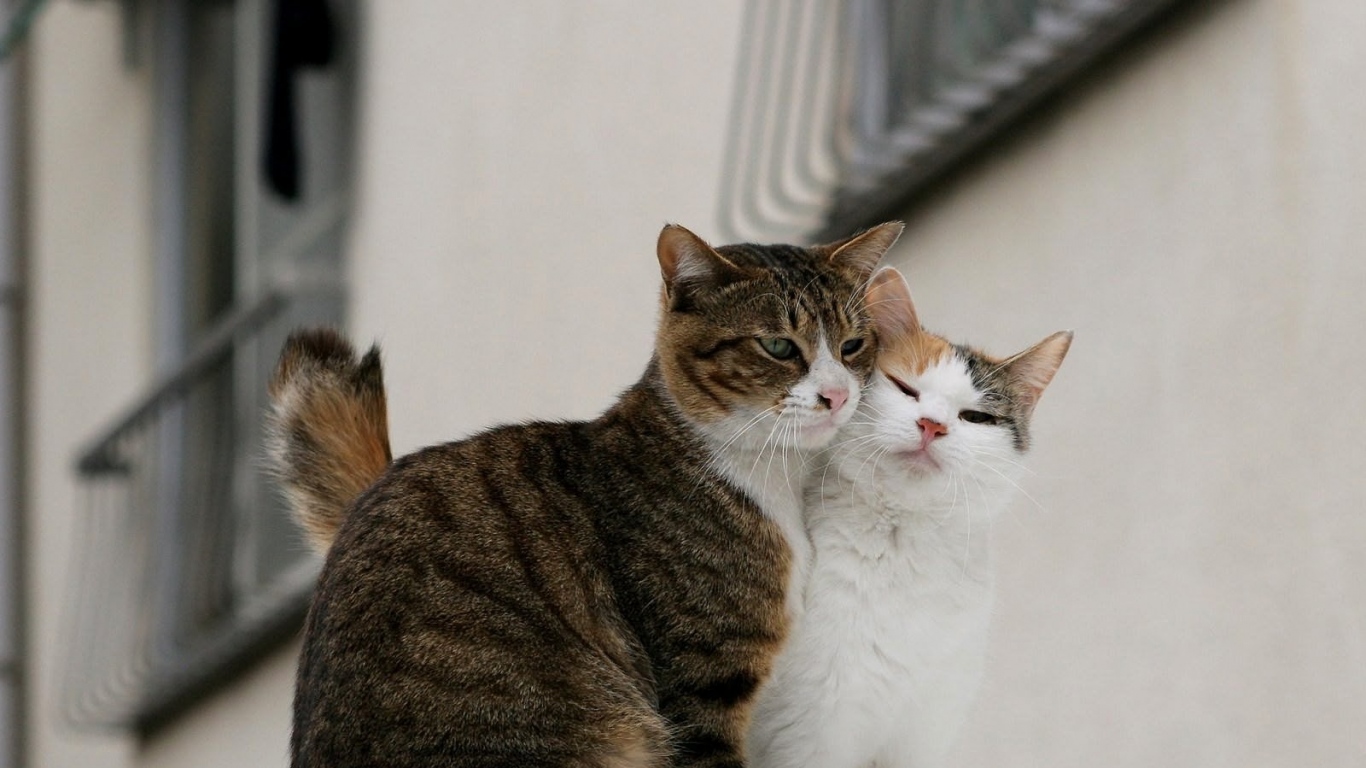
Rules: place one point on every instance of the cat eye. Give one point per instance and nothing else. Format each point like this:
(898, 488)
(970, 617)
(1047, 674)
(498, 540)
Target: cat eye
(908, 390)
(851, 346)
(977, 417)
(780, 349)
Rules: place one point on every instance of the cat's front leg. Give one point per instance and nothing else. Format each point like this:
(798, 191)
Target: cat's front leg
(798, 724)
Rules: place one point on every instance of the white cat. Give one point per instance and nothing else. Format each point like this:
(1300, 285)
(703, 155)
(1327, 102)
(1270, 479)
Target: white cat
(884, 664)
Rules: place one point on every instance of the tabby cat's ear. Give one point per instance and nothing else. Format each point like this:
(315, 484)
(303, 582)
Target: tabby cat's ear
(863, 251)
(685, 261)
(889, 302)
(1032, 369)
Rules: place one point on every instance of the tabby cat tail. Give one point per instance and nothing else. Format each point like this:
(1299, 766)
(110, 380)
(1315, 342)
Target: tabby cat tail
(328, 430)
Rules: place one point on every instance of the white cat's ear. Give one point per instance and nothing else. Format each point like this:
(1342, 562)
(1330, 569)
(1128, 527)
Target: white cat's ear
(686, 259)
(863, 251)
(1032, 369)
(889, 302)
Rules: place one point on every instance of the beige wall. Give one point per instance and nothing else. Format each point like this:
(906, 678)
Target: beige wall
(90, 334)
(1187, 589)
(244, 726)
(1184, 592)
(517, 168)
(515, 171)
(1190, 588)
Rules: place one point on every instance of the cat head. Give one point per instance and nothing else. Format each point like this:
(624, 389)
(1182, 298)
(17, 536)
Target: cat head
(936, 410)
(767, 345)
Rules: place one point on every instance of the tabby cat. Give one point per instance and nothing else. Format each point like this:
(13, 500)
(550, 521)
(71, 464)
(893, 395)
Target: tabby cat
(886, 660)
(595, 594)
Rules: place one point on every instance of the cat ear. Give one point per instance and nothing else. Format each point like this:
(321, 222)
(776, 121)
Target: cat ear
(863, 251)
(686, 259)
(889, 302)
(1031, 370)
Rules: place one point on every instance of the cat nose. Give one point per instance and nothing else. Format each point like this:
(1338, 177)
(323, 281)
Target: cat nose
(833, 398)
(930, 429)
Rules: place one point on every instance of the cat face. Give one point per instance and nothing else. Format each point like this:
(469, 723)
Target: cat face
(935, 410)
(767, 346)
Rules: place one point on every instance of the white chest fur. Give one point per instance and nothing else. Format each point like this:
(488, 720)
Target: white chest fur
(775, 484)
(884, 664)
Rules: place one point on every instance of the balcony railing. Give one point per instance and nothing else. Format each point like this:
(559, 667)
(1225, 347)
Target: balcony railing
(843, 112)
(185, 567)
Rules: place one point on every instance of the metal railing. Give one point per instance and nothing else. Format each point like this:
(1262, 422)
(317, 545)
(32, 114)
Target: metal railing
(185, 567)
(843, 112)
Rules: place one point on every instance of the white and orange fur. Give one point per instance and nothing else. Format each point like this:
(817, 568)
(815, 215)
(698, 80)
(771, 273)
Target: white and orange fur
(885, 662)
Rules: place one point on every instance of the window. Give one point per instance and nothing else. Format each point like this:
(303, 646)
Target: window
(844, 111)
(186, 565)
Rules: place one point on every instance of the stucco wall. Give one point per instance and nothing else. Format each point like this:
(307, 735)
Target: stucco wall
(90, 333)
(516, 170)
(1186, 586)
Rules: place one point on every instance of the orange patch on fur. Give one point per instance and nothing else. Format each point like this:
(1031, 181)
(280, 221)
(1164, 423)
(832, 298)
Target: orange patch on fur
(911, 354)
(328, 431)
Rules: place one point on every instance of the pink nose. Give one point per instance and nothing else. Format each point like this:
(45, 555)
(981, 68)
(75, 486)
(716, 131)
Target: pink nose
(930, 429)
(834, 397)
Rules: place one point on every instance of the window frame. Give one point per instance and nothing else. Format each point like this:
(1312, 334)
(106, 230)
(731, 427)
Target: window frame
(138, 483)
(812, 151)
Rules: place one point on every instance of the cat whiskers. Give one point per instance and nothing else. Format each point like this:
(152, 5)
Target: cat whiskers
(967, 543)
(829, 456)
(977, 460)
(784, 441)
(873, 457)
(960, 504)
(848, 446)
(1012, 482)
(789, 441)
(719, 455)
(849, 443)
(747, 426)
(866, 409)
(789, 444)
(762, 448)
(954, 480)
(1004, 457)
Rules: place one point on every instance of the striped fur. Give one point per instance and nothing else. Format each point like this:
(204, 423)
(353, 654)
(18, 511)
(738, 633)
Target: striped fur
(600, 594)
(884, 666)
(328, 432)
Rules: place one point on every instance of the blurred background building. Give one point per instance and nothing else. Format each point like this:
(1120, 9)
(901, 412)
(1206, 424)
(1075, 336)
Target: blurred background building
(478, 186)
